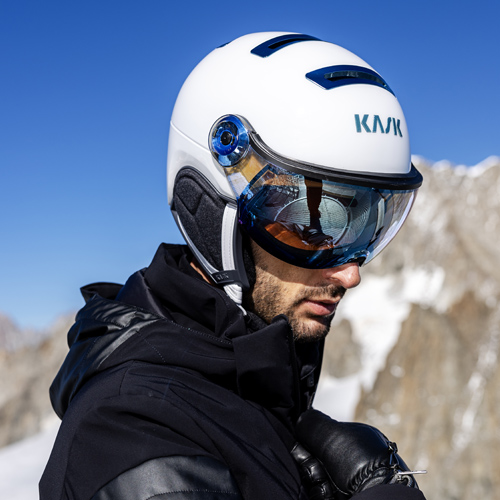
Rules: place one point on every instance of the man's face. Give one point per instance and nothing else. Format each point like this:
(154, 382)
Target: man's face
(308, 297)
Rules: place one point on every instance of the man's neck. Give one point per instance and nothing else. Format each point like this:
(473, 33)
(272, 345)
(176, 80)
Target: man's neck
(196, 266)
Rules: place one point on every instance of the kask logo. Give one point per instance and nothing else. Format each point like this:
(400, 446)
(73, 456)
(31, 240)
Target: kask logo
(376, 124)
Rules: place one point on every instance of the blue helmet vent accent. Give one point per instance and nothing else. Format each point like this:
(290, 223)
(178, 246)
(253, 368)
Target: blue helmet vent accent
(338, 76)
(274, 44)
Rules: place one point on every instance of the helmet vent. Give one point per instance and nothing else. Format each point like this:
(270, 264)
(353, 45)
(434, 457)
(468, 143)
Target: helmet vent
(338, 76)
(274, 44)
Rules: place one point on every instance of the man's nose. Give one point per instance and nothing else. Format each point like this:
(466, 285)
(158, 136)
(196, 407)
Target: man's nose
(346, 275)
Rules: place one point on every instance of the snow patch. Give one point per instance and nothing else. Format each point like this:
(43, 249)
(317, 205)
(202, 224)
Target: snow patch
(477, 170)
(22, 464)
(461, 169)
(465, 419)
(376, 311)
(442, 165)
(423, 284)
(338, 397)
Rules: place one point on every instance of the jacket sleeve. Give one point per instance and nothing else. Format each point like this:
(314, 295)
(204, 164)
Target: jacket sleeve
(174, 477)
(389, 492)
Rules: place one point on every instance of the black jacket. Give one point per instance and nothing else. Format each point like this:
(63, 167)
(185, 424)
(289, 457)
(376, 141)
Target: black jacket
(170, 391)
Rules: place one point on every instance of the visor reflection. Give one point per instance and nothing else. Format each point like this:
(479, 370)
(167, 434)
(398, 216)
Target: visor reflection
(311, 222)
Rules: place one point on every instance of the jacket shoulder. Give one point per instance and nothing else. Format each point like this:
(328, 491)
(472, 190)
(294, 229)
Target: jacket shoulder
(174, 477)
(101, 327)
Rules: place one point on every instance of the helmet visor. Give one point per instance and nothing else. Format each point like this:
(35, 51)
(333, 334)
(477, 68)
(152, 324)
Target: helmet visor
(311, 217)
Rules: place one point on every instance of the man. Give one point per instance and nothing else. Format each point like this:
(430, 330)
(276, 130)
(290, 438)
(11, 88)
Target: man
(288, 168)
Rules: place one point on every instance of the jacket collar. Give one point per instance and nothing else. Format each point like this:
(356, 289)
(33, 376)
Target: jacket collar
(259, 361)
(189, 299)
(264, 355)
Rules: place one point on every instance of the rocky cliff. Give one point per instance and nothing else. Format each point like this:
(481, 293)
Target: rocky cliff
(28, 364)
(420, 344)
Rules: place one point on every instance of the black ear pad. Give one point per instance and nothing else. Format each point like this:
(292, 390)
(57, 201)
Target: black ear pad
(200, 209)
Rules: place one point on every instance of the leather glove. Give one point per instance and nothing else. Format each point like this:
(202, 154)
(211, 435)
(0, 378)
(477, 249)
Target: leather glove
(355, 456)
(313, 475)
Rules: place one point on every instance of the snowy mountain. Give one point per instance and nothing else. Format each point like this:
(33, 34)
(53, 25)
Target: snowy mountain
(418, 340)
(22, 464)
(28, 364)
(413, 350)
(26, 373)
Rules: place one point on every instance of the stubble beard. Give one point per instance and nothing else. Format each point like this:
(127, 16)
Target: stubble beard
(266, 300)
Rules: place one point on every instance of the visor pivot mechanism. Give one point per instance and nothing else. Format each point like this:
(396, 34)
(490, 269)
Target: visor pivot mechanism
(228, 140)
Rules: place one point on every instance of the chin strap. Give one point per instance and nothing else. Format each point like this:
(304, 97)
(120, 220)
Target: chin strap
(228, 239)
(209, 224)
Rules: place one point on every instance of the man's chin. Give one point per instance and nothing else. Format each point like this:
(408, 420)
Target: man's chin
(311, 329)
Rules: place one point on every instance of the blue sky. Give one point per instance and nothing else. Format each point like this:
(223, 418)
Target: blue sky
(86, 93)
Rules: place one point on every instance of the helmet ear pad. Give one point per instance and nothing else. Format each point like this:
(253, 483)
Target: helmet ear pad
(200, 209)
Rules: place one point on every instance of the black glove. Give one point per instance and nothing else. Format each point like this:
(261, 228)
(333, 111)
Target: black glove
(355, 456)
(313, 475)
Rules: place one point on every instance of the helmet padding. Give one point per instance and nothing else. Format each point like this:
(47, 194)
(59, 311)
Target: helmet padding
(199, 209)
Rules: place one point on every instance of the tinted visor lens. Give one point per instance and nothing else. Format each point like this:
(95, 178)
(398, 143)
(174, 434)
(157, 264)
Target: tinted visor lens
(305, 217)
(318, 223)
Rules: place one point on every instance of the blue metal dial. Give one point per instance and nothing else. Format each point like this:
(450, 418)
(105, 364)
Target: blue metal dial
(228, 140)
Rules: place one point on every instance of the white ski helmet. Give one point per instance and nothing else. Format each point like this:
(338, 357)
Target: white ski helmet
(295, 142)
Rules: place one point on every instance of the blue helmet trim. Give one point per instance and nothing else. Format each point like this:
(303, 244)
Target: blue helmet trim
(337, 76)
(274, 44)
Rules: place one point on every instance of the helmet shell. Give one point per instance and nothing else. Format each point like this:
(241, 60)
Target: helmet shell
(351, 127)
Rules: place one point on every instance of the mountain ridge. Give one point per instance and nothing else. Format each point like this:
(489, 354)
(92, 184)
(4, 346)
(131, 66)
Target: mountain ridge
(435, 386)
